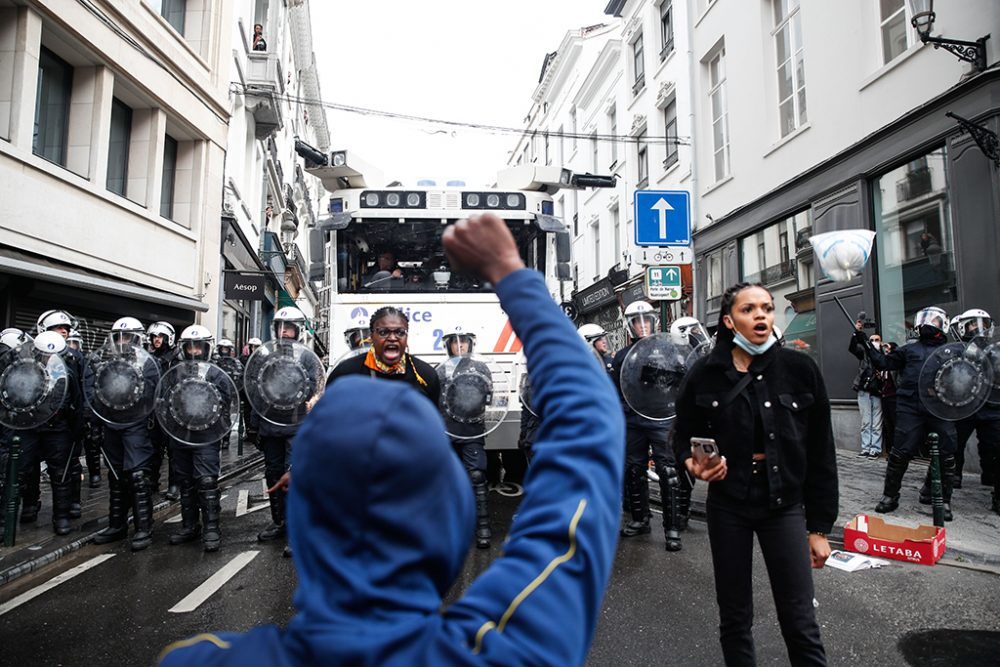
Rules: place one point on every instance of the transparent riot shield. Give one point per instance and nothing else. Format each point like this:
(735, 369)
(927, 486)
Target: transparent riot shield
(350, 354)
(197, 403)
(475, 396)
(955, 381)
(992, 352)
(524, 391)
(32, 386)
(703, 349)
(119, 383)
(282, 380)
(651, 376)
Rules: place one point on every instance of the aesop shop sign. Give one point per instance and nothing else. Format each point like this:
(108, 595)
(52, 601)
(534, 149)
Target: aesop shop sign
(244, 286)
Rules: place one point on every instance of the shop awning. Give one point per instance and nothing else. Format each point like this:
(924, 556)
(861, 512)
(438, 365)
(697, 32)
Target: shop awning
(40, 268)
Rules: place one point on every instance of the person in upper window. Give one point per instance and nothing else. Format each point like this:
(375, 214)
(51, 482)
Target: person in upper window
(259, 44)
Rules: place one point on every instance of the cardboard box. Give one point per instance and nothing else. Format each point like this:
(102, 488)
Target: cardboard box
(875, 537)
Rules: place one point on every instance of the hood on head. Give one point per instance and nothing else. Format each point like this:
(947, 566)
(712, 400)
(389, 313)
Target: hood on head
(380, 510)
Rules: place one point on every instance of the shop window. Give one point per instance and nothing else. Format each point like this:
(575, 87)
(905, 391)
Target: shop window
(915, 242)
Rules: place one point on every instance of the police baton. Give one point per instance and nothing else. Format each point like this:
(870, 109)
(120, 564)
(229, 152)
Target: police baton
(937, 489)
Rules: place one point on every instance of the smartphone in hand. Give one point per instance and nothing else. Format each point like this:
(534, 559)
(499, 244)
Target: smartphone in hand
(703, 449)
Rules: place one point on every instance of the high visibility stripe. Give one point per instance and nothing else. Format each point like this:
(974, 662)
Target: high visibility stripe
(516, 345)
(504, 338)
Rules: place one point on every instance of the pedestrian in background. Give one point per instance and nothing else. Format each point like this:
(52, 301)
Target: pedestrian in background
(868, 384)
(888, 402)
(380, 512)
(259, 44)
(774, 473)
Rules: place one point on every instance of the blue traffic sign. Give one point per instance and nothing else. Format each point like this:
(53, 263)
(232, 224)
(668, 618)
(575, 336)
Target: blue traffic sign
(662, 217)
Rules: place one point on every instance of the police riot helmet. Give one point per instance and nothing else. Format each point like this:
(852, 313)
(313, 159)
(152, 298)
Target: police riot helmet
(225, 344)
(51, 319)
(165, 329)
(50, 342)
(640, 314)
(460, 336)
(688, 331)
(255, 342)
(973, 323)
(196, 337)
(127, 331)
(931, 322)
(355, 337)
(591, 332)
(289, 316)
(75, 340)
(13, 337)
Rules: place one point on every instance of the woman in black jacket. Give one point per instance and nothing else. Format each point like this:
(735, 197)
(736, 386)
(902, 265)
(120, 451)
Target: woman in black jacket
(766, 408)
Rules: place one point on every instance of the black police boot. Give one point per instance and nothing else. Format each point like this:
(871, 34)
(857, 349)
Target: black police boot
(76, 470)
(208, 498)
(683, 505)
(959, 468)
(142, 510)
(671, 515)
(894, 470)
(31, 495)
(93, 457)
(61, 499)
(481, 492)
(190, 528)
(637, 489)
(277, 500)
(925, 489)
(116, 528)
(947, 480)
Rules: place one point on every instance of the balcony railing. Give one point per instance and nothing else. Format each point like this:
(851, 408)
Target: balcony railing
(774, 274)
(265, 83)
(914, 184)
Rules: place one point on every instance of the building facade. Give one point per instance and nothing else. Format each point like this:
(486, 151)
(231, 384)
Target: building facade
(842, 125)
(113, 130)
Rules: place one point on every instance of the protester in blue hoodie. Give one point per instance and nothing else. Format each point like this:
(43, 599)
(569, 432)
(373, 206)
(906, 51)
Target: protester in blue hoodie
(380, 511)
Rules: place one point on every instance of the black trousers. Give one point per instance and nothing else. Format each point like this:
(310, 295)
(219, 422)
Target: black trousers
(782, 536)
(988, 435)
(129, 448)
(888, 424)
(643, 436)
(192, 463)
(277, 455)
(472, 453)
(54, 447)
(912, 426)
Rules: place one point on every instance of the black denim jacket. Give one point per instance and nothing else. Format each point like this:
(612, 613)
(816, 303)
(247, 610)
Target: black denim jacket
(798, 438)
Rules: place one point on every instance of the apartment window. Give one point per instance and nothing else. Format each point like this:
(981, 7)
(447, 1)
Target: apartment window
(118, 146)
(637, 66)
(169, 177)
(642, 162)
(896, 35)
(670, 132)
(714, 283)
(783, 246)
(720, 114)
(613, 131)
(791, 66)
(172, 10)
(595, 230)
(915, 242)
(666, 28)
(55, 84)
(595, 163)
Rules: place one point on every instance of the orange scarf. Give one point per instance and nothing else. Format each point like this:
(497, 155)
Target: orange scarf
(399, 368)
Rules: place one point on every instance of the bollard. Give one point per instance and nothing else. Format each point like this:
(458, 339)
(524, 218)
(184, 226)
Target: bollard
(937, 490)
(12, 494)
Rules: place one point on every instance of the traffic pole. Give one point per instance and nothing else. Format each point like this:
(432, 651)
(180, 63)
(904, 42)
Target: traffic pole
(937, 490)
(11, 496)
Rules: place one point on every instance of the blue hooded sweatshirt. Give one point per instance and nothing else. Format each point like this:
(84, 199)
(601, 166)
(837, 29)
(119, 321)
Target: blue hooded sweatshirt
(380, 518)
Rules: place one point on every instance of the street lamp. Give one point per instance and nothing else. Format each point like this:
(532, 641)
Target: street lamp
(922, 19)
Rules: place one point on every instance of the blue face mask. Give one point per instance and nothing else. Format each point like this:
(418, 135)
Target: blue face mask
(751, 349)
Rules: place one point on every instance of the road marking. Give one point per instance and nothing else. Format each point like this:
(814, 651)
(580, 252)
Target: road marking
(243, 502)
(214, 583)
(52, 583)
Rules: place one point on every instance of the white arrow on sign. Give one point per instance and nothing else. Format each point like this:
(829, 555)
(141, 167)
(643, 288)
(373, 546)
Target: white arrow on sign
(662, 206)
(671, 273)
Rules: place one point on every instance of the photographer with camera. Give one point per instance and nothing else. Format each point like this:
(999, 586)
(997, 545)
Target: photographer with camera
(868, 384)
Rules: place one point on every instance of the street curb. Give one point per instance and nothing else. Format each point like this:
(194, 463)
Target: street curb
(9, 575)
(952, 555)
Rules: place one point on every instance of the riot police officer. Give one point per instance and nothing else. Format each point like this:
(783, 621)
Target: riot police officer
(597, 338)
(975, 326)
(225, 358)
(198, 467)
(89, 440)
(246, 412)
(128, 447)
(276, 441)
(53, 441)
(643, 435)
(913, 421)
(10, 339)
(471, 443)
(160, 343)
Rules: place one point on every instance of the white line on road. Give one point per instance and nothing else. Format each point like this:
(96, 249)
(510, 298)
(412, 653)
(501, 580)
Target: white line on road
(214, 583)
(242, 504)
(52, 583)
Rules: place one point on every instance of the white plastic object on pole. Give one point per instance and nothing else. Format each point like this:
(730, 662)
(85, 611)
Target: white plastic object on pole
(842, 255)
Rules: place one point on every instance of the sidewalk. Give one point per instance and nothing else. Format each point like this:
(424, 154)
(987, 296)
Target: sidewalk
(36, 545)
(973, 537)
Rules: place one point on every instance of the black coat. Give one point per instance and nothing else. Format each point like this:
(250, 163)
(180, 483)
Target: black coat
(908, 360)
(789, 393)
(356, 366)
(867, 379)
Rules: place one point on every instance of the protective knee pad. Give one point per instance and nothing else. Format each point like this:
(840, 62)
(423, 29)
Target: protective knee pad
(206, 483)
(477, 477)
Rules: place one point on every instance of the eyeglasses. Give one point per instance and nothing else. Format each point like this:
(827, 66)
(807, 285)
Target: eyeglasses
(385, 332)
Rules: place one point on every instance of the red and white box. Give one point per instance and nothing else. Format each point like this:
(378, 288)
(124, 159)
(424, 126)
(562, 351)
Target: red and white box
(876, 537)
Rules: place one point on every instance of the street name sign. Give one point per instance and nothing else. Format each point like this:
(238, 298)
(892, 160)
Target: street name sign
(651, 256)
(662, 217)
(663, 283)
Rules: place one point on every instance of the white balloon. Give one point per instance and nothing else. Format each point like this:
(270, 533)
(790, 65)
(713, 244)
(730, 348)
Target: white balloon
(842, 255)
